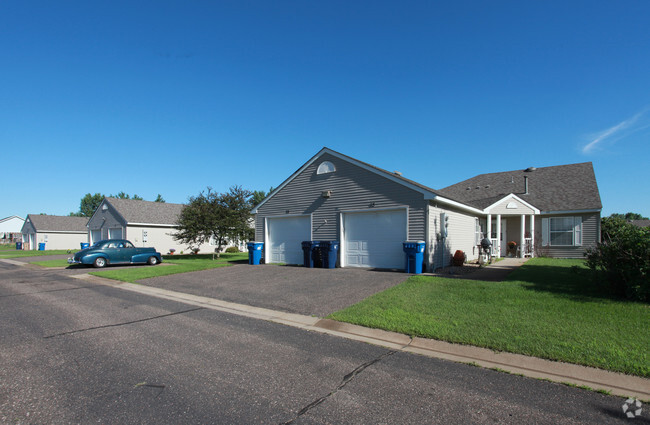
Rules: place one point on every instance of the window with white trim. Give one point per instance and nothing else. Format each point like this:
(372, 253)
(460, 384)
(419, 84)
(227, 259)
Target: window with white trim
(562, 231)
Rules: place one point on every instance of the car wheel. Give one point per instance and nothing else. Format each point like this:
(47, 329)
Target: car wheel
(152, 261)
(100, 262)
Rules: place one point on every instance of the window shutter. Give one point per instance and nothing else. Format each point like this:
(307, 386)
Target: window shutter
(577, 231)
(546, 237)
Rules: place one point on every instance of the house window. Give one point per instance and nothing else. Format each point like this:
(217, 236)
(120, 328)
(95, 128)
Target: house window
(477, 232)
(325, 167)
(562, 231)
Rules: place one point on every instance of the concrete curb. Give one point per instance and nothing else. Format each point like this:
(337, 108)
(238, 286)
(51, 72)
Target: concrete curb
(597, 379)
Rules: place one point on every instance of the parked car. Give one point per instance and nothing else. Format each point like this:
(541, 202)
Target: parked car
(115, 251)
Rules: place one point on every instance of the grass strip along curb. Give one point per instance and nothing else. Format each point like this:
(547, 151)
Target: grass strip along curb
(173, 264)
(548, 308)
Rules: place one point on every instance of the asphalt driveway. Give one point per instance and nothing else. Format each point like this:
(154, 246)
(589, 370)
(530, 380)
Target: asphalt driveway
(301, 290)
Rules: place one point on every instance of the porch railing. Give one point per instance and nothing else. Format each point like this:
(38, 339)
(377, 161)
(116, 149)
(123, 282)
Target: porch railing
(495, 247)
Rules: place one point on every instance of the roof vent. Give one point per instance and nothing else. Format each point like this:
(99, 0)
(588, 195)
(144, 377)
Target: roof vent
(530, 169)
(397, 173)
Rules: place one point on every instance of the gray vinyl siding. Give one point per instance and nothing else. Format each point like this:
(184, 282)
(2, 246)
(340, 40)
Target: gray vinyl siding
(353, 188)
(106, 219)
(590, 236)
(462, 236)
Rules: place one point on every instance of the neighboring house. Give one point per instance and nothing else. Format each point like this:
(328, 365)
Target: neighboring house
(56, 232)
(640, 223)
(551, 211)
(372, 211)
(142, 222)
(10, 228)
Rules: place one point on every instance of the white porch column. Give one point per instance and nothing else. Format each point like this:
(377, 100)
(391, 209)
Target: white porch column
(499, 236)
(489, 226)
(532, 236)
(523, 235)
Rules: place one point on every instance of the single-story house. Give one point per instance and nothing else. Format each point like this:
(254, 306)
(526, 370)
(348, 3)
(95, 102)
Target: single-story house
(144, 223)
(372, 211)
(10, 228)
(56, 232)
(550, 211)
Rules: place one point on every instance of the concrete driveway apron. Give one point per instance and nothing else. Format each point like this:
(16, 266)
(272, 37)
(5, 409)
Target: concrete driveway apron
(316, 292)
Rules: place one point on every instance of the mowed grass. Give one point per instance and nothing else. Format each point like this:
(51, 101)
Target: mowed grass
(51, 263)
(172, 264)
(35, 253)
(548, 308)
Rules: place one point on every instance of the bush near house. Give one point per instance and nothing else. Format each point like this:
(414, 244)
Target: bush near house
(623, 258)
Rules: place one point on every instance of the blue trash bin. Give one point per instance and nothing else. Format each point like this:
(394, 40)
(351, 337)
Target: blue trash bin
(330, 253)
(84, 245)
(255, 252)
(317, 254)
(414, 256)
(306, 253)
(19, 246)
(41, 246)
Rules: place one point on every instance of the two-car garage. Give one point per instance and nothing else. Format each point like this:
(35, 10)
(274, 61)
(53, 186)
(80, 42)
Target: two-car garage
(368, 238)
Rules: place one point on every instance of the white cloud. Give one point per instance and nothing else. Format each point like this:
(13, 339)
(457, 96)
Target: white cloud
(615, 131)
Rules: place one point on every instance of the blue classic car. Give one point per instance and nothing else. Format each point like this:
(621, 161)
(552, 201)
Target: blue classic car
(115, 251)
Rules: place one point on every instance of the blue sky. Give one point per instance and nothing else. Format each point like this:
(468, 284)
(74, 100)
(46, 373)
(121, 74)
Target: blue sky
(170, 97)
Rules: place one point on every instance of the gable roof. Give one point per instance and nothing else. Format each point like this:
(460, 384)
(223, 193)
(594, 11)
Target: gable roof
(146, 212)
(11, 217)
(558, 188)
(58, 223)
(427, 192)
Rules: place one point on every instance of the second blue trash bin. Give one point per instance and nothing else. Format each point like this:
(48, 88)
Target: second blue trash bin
(414, 256)
(41, 246)
(84, 245)
(19, 246)
(255, 252)
(330, 251)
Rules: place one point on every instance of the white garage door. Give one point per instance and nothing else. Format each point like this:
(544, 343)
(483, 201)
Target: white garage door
(374, 239)
(285, 236)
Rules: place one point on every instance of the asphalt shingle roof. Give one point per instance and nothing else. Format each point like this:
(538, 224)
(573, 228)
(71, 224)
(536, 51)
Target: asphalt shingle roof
(43, 223)
(559, 188)
(135, 211)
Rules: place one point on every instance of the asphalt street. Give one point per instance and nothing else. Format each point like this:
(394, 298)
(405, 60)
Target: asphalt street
(77, 352)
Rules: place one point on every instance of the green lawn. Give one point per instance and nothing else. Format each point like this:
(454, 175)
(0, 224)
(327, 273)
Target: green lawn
(173, 264)
(51, 263)
(548, 308)
(20, 254)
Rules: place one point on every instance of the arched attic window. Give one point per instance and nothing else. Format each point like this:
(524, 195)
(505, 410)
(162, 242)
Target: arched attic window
(325, 167)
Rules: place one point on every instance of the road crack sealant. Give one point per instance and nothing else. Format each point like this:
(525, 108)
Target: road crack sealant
(50, 290)
(346, 380)
(124, 323)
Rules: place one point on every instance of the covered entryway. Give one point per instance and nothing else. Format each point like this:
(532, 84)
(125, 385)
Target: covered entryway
(374, 239)
(284, 239)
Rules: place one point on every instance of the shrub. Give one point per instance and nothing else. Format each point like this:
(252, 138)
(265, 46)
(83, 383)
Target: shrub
(623, 258)
(232, 249)
(459, 258)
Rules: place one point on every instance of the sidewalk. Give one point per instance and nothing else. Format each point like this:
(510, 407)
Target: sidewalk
(597, 379)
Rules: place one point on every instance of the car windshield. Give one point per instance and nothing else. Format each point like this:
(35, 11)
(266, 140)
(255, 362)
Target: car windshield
(98, 244)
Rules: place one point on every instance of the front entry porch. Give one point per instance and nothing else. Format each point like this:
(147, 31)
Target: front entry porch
(511, 235)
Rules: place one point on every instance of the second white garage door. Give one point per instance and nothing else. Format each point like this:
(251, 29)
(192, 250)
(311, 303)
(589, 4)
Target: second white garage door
(285, 236)
(374, 239)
